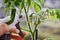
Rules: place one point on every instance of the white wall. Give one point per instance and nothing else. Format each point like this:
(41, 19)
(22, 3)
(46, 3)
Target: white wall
(52, 3)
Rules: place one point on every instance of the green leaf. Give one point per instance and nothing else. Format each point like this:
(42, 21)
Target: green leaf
(37, 7)
(12, 17)
(6, 11)
(29, 2)
(23, 3)
(12, 0)
(31, 5)
(58, 14)
(5, 1)
(9, 3)
(52, 13)
(54, 17)
(16, 3)
(19, 0)
(21, 7)
(41, 2)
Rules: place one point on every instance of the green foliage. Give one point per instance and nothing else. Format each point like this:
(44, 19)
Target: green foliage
(12, 17)
(19, 0)
(58, 14)
(5, 1)
(29, 2)
(16, 3)
(9, 3)
(41, 2)
(37, 7)
(55, 13)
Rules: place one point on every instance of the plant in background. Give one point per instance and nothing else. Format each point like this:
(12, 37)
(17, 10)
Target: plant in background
(54, 13)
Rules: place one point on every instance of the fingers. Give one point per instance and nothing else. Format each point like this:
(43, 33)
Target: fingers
(4, 28)
(16, 37)
(13, 29)
(24, 33)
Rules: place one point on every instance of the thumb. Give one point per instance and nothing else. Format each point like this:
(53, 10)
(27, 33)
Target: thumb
(13, 29)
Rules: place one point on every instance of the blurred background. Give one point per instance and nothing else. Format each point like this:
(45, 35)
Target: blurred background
(52, 3)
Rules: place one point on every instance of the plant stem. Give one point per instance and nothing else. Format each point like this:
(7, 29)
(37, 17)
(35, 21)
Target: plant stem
(27, 19)
(35, 28)
(36, 34)
(32, 33)
(33, 36)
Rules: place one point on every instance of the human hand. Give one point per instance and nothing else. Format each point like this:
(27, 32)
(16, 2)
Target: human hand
(4, 28)
(16, 37)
